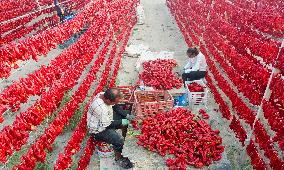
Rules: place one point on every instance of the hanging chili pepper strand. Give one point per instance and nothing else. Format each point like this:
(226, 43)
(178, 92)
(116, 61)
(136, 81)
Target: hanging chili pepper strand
(265, 143)
(277, 88)
(10, 9)
(257, 161)
(86, 157)
(275, 120)
(239, 130)
(2, 111)
(64, 161)
(225, 110)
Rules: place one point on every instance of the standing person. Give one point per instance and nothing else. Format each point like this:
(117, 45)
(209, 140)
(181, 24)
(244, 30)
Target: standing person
(63, 13)
(59, 10)
(195, 69)
(102, 127)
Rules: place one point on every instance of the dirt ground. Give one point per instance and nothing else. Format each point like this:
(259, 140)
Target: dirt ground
(160, 33)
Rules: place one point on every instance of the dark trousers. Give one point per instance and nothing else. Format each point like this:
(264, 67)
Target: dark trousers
(193, 75)
(110, 136)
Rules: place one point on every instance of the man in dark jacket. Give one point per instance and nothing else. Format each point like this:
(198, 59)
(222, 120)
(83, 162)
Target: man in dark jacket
(63, 13)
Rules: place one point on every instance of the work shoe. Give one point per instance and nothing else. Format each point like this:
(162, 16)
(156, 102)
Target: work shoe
(125, 163)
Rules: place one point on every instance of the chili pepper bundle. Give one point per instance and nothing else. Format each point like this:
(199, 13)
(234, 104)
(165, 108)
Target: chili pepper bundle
(203, 114)
(118, 61)
(224, 108)
(180, 133)
(280, 62)
(195, 87)
(257, 161)
(277, 88)
(86, 157)
(239, 130)
(159, 74)
(2, 110)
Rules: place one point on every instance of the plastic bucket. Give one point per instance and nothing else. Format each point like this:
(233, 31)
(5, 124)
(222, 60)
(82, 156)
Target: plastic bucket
(105, 150)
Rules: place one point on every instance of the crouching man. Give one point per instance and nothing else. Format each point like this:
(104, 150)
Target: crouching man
(102, 127)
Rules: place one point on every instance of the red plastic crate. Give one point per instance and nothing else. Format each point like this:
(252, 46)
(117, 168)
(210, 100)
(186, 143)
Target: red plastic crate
(147, 103)
(127, 94)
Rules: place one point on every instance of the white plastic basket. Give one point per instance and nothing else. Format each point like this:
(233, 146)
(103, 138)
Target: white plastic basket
(196, 98)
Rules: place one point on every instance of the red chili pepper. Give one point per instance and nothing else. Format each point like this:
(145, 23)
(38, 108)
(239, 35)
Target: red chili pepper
(195, 87)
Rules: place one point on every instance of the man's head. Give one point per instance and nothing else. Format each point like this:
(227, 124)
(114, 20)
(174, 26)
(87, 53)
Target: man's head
(112, 96)
(192, 52)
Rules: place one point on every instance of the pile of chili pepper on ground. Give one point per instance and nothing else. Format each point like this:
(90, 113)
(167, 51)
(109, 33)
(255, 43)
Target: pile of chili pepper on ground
(181, 133)
(159, 74)
(195, 87)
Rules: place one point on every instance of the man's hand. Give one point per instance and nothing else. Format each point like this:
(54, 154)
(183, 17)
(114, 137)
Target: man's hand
(130, 117)
(124, 122)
